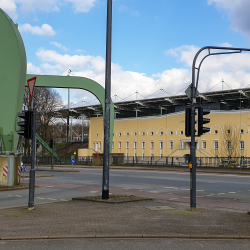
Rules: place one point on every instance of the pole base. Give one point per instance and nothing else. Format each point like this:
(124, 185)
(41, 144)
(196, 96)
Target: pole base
(31, 208)
(105, 194)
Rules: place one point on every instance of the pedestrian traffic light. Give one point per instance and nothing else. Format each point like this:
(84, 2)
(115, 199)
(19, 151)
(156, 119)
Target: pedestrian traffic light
(188, 122)
(26, 123)
(201, 112)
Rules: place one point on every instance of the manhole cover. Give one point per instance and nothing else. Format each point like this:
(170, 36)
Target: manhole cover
(159, 208)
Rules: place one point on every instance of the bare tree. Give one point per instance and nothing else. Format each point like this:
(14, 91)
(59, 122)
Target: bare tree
(48, 101)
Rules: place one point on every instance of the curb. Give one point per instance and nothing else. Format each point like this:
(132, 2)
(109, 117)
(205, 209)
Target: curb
(201, 237)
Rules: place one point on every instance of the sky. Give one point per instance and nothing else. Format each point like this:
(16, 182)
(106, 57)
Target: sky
(153, 43)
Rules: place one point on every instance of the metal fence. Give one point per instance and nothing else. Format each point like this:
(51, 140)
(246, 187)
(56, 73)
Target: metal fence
(64, 160)
(221, 162)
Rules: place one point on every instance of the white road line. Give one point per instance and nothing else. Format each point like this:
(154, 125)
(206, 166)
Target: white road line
(200, 190)
(154, 192)
(94, 192)
(127, 188)
(51, 199)
(173, 199)
(210, 194)
(185, 189)
(18, 195)
(49, 186)
(221, 193)
(171, 187)
(232, 192)
(63, 200)
(40, 198)
(186, 197)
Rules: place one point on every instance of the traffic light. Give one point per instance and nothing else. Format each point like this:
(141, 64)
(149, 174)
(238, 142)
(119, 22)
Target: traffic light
(51, 142)
(188, 122)
(26, 123)
(201, 112)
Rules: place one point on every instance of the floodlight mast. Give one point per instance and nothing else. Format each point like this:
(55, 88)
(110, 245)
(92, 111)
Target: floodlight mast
(194, 87)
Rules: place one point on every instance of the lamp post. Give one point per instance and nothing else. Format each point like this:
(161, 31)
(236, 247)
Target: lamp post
(68, 74)
(105, 178)
(194, 87)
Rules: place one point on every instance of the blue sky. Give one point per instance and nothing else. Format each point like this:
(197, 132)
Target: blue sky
(153, 43)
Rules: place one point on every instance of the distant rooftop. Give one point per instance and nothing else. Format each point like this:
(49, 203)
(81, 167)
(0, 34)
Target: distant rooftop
(218, 100)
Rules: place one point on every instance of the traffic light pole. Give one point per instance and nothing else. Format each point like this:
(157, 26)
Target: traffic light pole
(33, 164)
(194, 87)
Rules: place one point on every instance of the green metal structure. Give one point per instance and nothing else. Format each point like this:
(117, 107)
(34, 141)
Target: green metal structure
(13, 66)
(13, 78)
(77, 83)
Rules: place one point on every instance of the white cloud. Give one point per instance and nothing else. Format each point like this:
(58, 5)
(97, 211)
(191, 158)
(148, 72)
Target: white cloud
(233, 68)
(44, 30)
(9, 7)
(82, 6)
(60, 46)
(12, 7)
(238, 12)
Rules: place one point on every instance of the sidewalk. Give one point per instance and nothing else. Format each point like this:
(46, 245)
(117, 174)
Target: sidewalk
(150, 218)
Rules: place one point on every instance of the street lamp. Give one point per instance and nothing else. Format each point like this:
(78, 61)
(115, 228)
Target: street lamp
(193, 87)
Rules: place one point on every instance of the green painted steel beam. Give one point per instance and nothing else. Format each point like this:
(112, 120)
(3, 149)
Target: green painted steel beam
(74, 82)
(13, 66)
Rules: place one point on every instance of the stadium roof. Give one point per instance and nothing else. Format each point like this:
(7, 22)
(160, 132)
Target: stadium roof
(233, 99)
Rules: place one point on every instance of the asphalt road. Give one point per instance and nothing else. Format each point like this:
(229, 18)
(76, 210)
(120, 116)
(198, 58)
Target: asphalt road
(222, 191)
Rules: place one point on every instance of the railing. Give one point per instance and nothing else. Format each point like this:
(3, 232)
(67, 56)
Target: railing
(221, 162)
(64, 160)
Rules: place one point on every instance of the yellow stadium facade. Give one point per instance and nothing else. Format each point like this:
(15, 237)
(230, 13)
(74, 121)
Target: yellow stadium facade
(164, 135)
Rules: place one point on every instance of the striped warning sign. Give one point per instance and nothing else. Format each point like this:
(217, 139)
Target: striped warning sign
(19, 170)
(5, 171)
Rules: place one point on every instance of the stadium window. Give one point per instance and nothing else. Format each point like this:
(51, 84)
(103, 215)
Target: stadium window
(181, 145)
(120, 144)
(242, 145)
(242, 131)
(204, 145)
(120, 134)
(181, 133)
(127, 144)
(143, 144)
(112, 144)
(161, 144)
(216, 145)
(161, 156)
(152, 144)
(99, 145)
(171, 132)
(161, 133)
(143, 133)
(143, 156)
(171, 145)
(93, 145)
(135, 144)
(215, 132)
(96, 135)
(135, 134)
(228, 131)
(152, 133)
(228, 145)
(127, 134)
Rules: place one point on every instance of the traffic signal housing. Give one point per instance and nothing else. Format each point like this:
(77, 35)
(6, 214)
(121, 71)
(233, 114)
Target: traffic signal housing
(26, 124)
(188, 122)
(201, 120)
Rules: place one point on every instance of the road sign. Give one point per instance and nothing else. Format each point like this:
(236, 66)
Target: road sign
(31, 85)
(72, 161)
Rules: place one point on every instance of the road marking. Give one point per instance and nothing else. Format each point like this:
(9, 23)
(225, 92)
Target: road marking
(173, 199)
(200, 190)
(63, 200)
(51, 199)
(186, 197)
(221, 193)
(18, 195)
(49, 186)
(40, 198)
(93, 192)
(171, 187)
(127, 188)
(210, 194)
(154, 192)
(185, 189)
(232, 192)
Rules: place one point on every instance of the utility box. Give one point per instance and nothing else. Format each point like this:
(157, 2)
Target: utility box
(10, 170)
